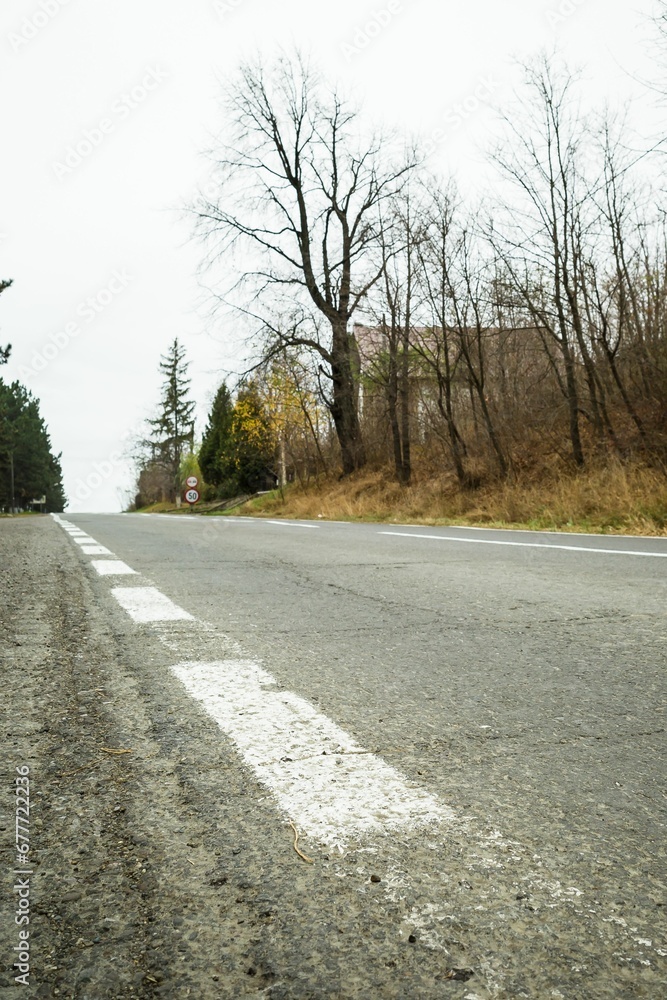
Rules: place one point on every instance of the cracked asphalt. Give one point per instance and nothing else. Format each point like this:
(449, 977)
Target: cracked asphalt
(524, 687)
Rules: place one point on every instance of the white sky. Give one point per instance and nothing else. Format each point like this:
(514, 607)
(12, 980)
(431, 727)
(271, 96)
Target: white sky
(65, 231)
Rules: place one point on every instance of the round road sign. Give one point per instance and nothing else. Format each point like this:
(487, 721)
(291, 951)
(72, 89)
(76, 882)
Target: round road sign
(192, 482)
(191, 496)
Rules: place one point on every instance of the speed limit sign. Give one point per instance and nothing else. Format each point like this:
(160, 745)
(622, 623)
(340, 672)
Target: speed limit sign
(192, 482)
(191, 496)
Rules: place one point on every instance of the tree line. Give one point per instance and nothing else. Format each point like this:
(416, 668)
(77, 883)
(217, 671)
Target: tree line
(235, 455)
(30, 472)
(408, 322)
(394, 322)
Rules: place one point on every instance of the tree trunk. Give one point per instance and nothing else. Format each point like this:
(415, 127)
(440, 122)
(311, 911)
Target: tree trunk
(404, 396)
(344, 408)
(573, 406)
(456, 442)
(394, 425)
(611, 360)
(491, 431)
(406, 456)
(392, 399)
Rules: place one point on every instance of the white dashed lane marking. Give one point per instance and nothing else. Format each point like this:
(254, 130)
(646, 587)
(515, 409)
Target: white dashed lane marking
(96, 550)
(525, 545)
(148, 604)
(323, 780)
(112, 567)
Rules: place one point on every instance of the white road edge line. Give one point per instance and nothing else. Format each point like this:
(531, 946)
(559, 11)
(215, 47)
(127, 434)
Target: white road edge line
(525, 545)
(96, 550)
(148, 604)
(325, 782)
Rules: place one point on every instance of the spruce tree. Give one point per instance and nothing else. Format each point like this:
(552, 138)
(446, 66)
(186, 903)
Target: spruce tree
(215, 452)
(173, 428)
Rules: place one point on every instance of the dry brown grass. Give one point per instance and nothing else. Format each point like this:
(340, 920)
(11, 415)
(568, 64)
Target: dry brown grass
(614, 499)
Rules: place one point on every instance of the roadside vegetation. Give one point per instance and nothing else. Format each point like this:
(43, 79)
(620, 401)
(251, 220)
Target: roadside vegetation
(614, 499)
(30, 472)
(414, 355)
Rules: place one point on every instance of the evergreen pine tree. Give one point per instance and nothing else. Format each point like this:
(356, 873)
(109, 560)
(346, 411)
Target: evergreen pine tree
(173, 428)
(5, 351)
(215, 452)
(28, 467)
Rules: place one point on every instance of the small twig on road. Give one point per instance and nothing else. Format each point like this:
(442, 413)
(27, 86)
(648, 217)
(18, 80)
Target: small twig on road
(115, 751)
(296, 845)
(68, 774)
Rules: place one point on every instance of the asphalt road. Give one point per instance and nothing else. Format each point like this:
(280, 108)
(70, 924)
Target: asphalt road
(514, 684)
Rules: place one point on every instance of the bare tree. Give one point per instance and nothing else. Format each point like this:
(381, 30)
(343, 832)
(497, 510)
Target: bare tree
(540, 243)
(302, 192)
(436, 344)
(613, 293)
(389, 363)
(456, 275)
(466, 277)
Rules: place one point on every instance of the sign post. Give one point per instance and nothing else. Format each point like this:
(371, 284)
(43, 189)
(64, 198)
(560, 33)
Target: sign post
(191, 495)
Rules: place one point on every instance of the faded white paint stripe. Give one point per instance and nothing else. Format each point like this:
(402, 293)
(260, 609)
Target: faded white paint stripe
(525, 545)
(96, 550)
(85, 540)
(332, 789)
(148, 604)
(291, 524)
(112, 567)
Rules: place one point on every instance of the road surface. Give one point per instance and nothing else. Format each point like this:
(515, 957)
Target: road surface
(464, 728)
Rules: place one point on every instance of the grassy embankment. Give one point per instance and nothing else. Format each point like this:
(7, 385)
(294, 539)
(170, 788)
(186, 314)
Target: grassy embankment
(615, 499)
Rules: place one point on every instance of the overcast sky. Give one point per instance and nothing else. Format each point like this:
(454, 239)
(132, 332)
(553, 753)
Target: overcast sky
(107, 107)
